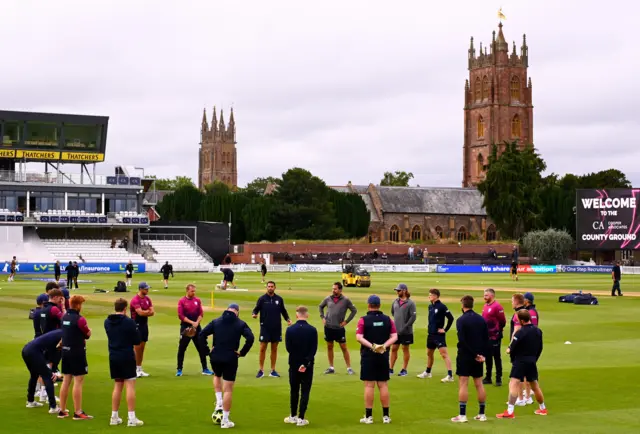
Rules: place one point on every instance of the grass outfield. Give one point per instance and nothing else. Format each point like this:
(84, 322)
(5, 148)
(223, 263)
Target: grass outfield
(589, 386)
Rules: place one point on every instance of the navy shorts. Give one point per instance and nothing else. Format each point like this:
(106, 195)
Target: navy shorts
(122, 369)
(436, 341)
(524, 370)
(74, 363)
(143, 329)
(225, 369)
(335, 335)
(468, 367)
(405, 339)
(374, 367)
(270, 334)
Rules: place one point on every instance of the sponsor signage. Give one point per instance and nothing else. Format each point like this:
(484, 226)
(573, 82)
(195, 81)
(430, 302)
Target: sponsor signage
(607, 269)
(7, 153)
(82, 156)
(537, 269)
(38, 155)
(85, 267)
(608, 219)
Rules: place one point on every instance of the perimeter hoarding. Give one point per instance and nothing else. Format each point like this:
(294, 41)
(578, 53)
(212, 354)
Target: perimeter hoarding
(608, 219)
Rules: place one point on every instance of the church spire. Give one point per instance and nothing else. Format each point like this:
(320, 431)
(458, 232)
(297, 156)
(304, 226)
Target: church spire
(232, 126)
(221, 127)
(205, 126)
(214, 121)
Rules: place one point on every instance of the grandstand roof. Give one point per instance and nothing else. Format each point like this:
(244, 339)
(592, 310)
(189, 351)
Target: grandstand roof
(431, 200)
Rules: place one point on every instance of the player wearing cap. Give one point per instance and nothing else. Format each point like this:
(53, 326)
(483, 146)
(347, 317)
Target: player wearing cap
(436, 337)
(227, 331)
(533, 312)
(334, 323)
(35, 314)
(376, 332)
(493, 314)
(141, 310)
(403, 311)
(190, 313)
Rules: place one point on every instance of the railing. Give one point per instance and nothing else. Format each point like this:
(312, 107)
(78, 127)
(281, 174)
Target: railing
(177, 237)
(53, 178)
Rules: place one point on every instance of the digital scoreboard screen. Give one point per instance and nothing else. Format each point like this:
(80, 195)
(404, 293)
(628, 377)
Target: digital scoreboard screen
(608, 219)
(48, 137)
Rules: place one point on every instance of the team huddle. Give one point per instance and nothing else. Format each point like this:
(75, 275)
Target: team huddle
(61, 333)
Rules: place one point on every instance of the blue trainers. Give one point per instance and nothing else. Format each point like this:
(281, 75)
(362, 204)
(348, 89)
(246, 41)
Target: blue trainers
(390, 371)
(206, 372)
(179, 373)
(274, 374)
(403, 373)
(260, 374)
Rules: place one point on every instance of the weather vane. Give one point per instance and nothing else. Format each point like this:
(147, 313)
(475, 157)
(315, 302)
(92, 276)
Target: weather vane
(501, 15)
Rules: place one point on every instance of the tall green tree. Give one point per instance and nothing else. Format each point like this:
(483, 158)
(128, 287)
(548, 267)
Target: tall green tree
(512, 187)
(172, 184)
(396, 179)
(183, 204)
(258, 185)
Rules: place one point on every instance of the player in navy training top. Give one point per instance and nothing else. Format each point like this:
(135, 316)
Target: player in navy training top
(33, 355)
(436, 337)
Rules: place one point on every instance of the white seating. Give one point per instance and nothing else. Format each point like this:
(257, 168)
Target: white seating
(66, 250)
(179, 253)
(129, 214)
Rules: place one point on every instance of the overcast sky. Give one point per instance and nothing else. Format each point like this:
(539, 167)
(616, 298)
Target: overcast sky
(346, 89)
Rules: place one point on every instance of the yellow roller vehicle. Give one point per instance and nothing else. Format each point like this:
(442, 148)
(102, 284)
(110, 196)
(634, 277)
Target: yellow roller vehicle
(354, 275)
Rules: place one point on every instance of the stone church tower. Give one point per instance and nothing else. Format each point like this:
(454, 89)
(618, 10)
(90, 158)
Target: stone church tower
(218, 156)
(497, 103)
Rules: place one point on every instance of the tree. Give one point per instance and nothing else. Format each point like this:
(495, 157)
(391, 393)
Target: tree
(548, 246)
(217, 187)
(511, 189)
(258, 185)
(172, 184)
(183, 204)
(396, 179)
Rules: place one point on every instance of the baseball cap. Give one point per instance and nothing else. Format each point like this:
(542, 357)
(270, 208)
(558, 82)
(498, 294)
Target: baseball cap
(401, 287)
(65, 292)
(234, 306)
(529, 296)
(42, 298)
(143, 285)
(373, 299)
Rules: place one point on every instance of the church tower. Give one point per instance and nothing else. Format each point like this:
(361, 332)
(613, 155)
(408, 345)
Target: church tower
(497, 103)
(218, 156)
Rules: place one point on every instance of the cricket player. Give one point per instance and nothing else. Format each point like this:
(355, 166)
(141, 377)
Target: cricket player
(403, 311)
(334, 323)
(436, 338)
(141, 310)
(493, 314)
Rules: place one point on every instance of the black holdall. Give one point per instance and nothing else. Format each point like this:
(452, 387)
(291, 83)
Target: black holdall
(120, 287)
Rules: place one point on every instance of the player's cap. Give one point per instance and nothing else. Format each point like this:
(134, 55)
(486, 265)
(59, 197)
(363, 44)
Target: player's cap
(373, 299)
(401, 287)
(143, 285)
(234, 306)
(42, 298)
(65, 292)
(62, 284)
(529, 296)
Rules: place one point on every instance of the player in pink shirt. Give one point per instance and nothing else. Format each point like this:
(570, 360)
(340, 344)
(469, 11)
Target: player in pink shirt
(493, 314)
(141, 310)
(190, 313)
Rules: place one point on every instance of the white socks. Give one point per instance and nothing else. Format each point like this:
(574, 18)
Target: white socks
(114, 415)
(225, 416)
(138, 368)
(132, 415)
(542, 406)
(510, 408)
(218, 399)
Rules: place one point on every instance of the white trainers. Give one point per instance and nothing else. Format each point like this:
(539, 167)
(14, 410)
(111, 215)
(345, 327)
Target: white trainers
(521, 402)
(55, 410)
(141, 373)
(302, 422)
(42, 396)
(291, 419)
(529, 401)
(367, 420)
(227, 424)
(481, 418)
(34, 404)
(386, 419)
(135, 422)
(448, 379)
(115, 421)
(459, 419)
(425, 374)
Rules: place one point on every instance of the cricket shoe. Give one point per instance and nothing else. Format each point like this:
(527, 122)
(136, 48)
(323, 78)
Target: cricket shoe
(81, 416)
(141, 374)
(448, 379)
(529, 401)
(481, 418)
(302, 422)
(207, 372)
(459, 419)
(386, 419)
(54, 410)
(274, 374)
(34, 404)
(350, 371)
(179, 373)
(425, 374)
(367, 420)
(541, 412)
(506, 415)
(63, 414)
(135, 422)
(260, 374)
(115, 421)
(330, 371)
(521, 403)
(390, 371)
(403, 373)
(291, 419)
(227, 424)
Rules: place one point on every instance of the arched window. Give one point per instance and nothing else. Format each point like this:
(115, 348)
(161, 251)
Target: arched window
(480, 127)
(438, 231)
(515, 88)
(394, 233)
(416, 233)
(462, 233)
(516, 127)
(480, 164)
(485, 87)
(478, 89)
(491, 233)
